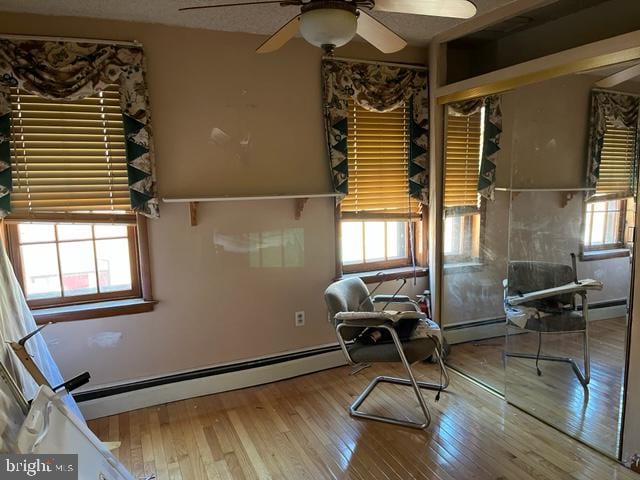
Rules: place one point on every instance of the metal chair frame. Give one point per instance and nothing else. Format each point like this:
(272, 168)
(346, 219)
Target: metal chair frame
(411, 381)
(584, 375)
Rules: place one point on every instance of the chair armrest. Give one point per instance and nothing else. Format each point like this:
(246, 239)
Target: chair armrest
(576, 288)
(391, 299)
(364, 319)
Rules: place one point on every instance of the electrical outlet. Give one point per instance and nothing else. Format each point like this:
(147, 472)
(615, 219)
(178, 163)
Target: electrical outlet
(299, 319)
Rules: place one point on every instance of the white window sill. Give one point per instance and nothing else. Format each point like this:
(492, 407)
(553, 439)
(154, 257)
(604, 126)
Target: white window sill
(604, 254)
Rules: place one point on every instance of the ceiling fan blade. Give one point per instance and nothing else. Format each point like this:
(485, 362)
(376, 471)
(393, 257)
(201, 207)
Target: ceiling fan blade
(282, 36)
(378, 35)
(435, 8)
(200, 7)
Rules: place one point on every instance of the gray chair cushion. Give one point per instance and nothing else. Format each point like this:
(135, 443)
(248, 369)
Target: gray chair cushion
(414, 350)
(348, 295)
(567, 321)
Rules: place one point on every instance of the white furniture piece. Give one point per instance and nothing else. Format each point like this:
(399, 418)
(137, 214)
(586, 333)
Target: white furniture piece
(51, 427)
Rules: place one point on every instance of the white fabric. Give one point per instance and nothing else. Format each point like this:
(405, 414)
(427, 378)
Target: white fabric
(520, 315)
(16, 321)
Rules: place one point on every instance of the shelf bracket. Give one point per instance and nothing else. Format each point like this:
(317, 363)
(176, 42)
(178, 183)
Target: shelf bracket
(193, 213)
(300, 206)
(566, 197)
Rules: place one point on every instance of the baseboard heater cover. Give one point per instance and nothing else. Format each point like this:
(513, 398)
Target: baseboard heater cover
(156, 391)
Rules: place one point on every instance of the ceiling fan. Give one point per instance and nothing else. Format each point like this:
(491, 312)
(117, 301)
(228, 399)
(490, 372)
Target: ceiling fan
(333, 23)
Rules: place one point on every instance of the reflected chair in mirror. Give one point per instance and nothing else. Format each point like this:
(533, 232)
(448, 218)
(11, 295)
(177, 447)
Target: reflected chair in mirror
(540, 297)
(352, 309)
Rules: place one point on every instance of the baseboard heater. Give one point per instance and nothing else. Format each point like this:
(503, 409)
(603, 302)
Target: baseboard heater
(201, 373)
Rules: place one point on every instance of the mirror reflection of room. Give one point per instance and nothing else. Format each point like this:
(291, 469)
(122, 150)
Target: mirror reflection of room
(537, 267)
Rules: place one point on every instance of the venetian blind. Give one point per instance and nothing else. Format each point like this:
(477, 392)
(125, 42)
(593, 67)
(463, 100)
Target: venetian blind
(68, 156)
(462, 160)
(378, 152)
(617, 162)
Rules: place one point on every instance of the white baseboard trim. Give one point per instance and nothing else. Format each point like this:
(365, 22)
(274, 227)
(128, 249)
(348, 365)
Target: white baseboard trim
(171, 392)
(604, 313)
(474, 332)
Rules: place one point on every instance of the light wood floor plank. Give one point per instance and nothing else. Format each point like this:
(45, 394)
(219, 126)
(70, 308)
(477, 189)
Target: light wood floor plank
(300, 429)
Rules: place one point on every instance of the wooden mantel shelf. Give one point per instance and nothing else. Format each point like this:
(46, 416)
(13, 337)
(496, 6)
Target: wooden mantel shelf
(300, 200)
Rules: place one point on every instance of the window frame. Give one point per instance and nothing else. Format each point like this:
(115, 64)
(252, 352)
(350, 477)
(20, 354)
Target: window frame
(609, 250)
(388, 264)
(461, 260)
(17, 260)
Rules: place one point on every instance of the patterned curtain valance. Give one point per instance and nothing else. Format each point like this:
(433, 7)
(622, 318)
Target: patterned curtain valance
(621, 111)
(72, 71)
(491, 145)
(378, 88)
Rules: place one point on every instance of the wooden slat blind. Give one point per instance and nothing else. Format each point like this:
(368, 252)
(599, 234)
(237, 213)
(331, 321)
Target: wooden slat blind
(68, 156)
(462, 160)
(617, 162)
(378, 152)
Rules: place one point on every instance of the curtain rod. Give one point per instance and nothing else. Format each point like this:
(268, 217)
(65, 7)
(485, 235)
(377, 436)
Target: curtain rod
(11, 36)
(608, 90)
(373, 62)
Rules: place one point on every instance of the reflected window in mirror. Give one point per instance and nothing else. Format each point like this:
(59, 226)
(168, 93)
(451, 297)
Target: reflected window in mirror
(608, 225)
(609, 215)
(379, 221)
(463, 207)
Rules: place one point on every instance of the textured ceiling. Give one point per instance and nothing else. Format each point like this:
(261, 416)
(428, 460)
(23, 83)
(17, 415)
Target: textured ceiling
(262, 19)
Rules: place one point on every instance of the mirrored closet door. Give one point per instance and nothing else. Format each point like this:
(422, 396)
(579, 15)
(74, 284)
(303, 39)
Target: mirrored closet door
(537, 268)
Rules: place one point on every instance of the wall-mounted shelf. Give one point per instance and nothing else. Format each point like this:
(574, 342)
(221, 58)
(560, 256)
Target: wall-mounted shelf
(300, 201)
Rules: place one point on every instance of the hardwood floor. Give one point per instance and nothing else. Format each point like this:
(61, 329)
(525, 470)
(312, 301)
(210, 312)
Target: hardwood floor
(300, 429)
(557, 396)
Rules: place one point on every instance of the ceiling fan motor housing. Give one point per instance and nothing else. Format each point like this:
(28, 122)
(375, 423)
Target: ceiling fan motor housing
(330, 23)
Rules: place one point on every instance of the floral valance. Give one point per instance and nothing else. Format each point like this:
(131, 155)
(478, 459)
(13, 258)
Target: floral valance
(72, 71)
(492, 129)
(621, 111)
(378, 88)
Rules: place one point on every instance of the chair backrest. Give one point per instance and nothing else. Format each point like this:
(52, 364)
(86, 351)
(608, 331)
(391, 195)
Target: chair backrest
(348, 295)
(529, 276)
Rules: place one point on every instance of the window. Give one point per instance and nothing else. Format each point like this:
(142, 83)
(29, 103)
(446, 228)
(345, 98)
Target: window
(63, 263)
(463, 208)
(380, 222)
(72, 237)
(610, 214)
(607, 224)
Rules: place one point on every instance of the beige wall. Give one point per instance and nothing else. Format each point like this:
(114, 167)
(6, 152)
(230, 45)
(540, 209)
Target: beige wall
(543, 145)
(228, 288)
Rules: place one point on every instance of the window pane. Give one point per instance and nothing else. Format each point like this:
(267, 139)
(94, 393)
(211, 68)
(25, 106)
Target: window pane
(40, 265)
(110, 231)
(396, 240)
(352, 242)
(78, 268)
(611, 234)
(36, 232)
(114, 267)
(72, 231)
(597, 228)
(448, 235)
(374, 247)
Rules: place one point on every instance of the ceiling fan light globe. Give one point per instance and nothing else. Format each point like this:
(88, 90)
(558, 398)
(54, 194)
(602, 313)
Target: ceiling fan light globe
(328, 26)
